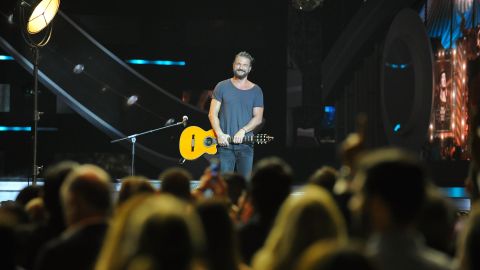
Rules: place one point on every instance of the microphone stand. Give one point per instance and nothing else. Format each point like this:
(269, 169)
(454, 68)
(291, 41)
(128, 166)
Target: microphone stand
(133, 139)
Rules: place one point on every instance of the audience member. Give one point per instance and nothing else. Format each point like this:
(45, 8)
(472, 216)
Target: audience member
(153, 232)
(390, 191)
(437, 222)
(237, 185)
(211, 186)
(332, 255)
(221, 243)
(302, 220)
(27, 194)
(324, 177)
(176, 181)
(36, 211)
(133, 185)
(86, 197)
(8, 246)
(270, 185)
(469, 242)
(55, 223)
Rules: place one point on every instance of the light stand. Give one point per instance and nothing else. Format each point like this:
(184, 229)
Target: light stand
(133, 139)
(36, 31)
(36, 116)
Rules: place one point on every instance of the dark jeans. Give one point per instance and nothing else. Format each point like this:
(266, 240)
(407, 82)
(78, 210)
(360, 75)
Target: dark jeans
(236, 157)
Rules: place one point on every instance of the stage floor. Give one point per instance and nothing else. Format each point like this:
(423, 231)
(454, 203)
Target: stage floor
(9, 188)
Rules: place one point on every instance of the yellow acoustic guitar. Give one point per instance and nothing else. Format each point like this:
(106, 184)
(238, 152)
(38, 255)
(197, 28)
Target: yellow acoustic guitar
(194, 142)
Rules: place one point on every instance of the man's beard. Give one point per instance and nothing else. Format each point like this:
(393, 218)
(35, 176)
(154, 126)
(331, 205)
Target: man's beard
(238, 75)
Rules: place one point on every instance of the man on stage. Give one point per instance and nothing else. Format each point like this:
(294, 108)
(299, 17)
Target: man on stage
(236, 109)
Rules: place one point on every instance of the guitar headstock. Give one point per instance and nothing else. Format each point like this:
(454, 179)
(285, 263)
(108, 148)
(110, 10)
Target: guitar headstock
(262, 138)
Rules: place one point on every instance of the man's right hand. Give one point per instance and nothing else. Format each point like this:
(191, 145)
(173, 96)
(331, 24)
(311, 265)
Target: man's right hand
(223, 139)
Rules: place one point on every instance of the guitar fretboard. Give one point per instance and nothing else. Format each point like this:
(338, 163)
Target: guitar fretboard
(245, 139)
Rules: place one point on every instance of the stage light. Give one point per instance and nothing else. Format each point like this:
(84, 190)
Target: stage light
(5, 58)
(6, 128)
(78, 68)
(155, 62)
(138, 61)
(42, 15)
(329, 109)
(132, 100)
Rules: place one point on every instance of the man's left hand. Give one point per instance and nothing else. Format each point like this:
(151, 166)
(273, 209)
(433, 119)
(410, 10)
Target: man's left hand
(238, 138)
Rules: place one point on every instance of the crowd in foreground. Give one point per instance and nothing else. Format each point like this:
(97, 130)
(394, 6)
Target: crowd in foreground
(380, 210)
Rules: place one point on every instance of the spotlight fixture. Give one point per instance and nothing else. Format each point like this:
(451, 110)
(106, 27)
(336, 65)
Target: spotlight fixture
(132, 100)
(43, 13)
(78, 68)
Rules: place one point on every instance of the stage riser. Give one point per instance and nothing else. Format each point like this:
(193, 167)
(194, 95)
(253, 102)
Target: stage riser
(9, 189)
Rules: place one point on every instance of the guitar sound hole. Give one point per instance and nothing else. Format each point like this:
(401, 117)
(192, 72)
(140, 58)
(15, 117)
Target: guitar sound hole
(208, 141)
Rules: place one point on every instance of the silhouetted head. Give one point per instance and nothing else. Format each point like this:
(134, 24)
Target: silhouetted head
(324, 177)
(390, 188)
(133, 185)
(54, 178)
(87, 192)
(270, 185)
(176, 181)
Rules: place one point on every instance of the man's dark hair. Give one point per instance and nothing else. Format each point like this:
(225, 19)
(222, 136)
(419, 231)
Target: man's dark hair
(270, 185)
(96, 194)
(176, 181)
(54, 178)
(398, 179)
(246, 55)
(325, 177)
(236, 185)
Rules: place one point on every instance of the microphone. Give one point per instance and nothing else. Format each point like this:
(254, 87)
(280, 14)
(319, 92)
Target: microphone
(184, 120)
(169, 122)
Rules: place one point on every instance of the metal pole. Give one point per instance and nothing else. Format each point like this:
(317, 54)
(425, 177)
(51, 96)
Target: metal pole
(36, 115)
(132, 168)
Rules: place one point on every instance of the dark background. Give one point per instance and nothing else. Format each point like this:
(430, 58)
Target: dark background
(290, 47)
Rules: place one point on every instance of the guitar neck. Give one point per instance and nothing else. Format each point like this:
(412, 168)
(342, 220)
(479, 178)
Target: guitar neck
(246, 139)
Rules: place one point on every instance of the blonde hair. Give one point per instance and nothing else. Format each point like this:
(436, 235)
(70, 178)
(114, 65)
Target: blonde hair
(301, 221)
(113, 255)
(316, 253)
(123, 240)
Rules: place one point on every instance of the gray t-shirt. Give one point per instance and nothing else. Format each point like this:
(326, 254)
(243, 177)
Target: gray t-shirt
(237, 105)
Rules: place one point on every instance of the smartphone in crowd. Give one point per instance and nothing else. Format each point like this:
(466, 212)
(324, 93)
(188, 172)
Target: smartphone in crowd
(214, 167)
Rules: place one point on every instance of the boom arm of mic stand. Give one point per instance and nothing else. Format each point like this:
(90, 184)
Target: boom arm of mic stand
(146, 132)
(133, 139)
